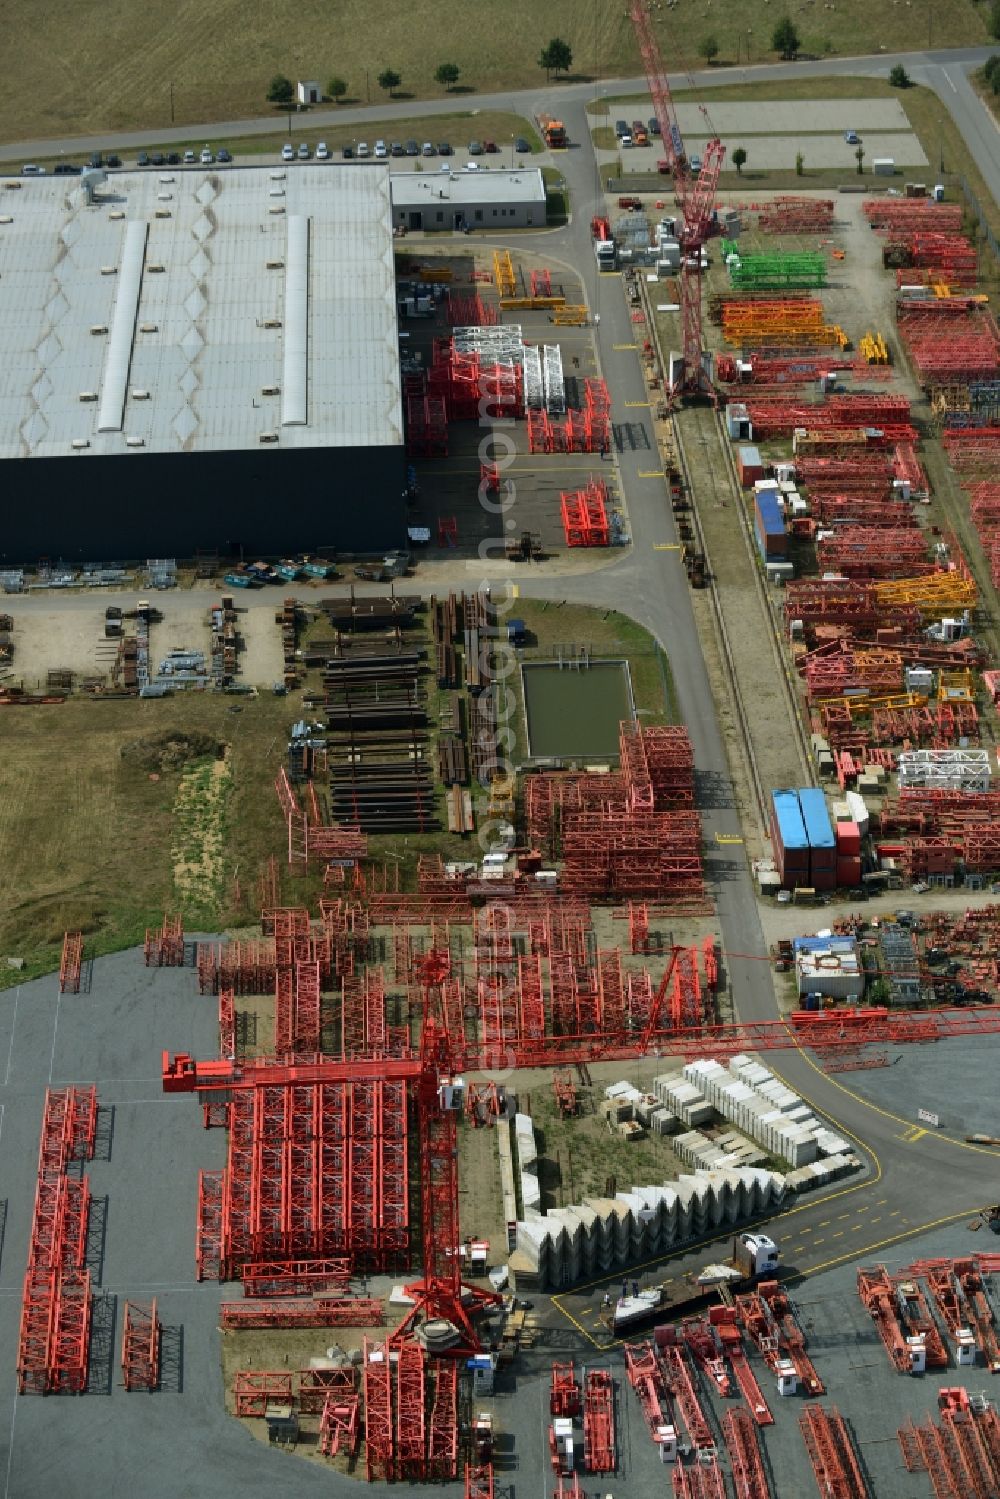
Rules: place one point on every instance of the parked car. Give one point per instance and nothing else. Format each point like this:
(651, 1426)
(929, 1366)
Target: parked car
(304, 152)
(173, 159)
(348, 153)
(625, 141)
(223, 155)
(142, 160)
(381, 150)
(521, 145)
(363, 148)
(490, 147)
(427, 149)
(96, 160)
(695, 165)
(207, 156)
(621, 128)
(444, 148)
(287, 152)
(654, 125)
(31, 170)
(189, 158)
(322, 151)
(113, 161)
(851, 137)
(66, 169)
(412, 149)
(396, 148)
(157, 159)
(475, 148)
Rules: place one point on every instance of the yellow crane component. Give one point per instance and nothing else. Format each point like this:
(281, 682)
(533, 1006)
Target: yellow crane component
(935, 596)
(573, 315)
(873, 348)
(503, 273)
(531, 304)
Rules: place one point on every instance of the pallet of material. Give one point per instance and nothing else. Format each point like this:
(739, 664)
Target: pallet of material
(453, 767)
(459, 808)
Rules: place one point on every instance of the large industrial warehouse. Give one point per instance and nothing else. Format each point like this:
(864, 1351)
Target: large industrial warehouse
(242, 319)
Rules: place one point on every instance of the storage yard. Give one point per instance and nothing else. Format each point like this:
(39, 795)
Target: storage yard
(552, 1042)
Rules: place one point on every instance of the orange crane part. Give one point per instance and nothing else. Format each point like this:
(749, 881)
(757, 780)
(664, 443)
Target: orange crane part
(479, 1481)
(791, 1339)
(703, 1480)
(728, 1334)
(969, 1276)
(564, 1396)
(599, 1422)
(831, 1452)
(914, 1304)
(646, 1378)
(876, 1292)
(141, 1339)
(749, 1476)
(681, 1386)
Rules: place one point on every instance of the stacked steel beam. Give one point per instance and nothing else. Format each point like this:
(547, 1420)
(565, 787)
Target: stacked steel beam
(903, 214)
(141, 1346)
(778, 322)
(585, 515)
(889, 413)
(165, 948)
(54, 1340)
(947, 253)
(71, 963)
(587, 430)
(313, 1171)
(831, 1452)
(874, 552)
(950, 340)
(795, 215)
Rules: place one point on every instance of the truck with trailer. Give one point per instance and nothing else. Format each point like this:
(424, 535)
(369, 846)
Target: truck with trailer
(605, 248)
(755, 1257)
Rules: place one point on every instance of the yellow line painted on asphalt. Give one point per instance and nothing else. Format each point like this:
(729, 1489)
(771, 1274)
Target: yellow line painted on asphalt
(666, 546)
(650, 473)
(638, 403)
(838, 1235)
(727, 838)
(620, 348)
(908, 1233)
(515, 590)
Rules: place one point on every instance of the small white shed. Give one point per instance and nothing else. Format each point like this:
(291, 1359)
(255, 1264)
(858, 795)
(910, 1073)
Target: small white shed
(307, 92)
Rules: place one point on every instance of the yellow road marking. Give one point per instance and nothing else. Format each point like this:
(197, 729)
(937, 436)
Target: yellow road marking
(623, 348)
(727, 838)
(907, 1233)
(842, 1215)
(666, 546)
(818, 1241)
(876, 1220)
(515, 590)
(638, 403)
(838, 1235)
(823, 1223)
(650, 473)
(858, 1227)
(805, 1230)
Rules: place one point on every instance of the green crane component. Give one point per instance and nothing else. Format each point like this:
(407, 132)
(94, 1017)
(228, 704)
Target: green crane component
(768, 272)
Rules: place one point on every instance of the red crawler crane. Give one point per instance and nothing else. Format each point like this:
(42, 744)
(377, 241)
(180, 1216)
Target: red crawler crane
(695, 195)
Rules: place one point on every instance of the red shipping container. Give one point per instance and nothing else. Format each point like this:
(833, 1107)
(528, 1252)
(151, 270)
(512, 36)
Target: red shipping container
(848, 872)
(824, 879)
(848, 836)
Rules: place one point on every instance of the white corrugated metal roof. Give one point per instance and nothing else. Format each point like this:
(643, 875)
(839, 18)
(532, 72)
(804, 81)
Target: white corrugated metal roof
(221, 311)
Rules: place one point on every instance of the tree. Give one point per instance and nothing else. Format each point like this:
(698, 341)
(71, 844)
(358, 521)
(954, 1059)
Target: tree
(785, 39)
(557, 57)
(800, 164)
(994, 22)
(337, 88)
(447, 75)
(739, 159)
(899, 77)
(860, 155)
(708, 48)
(280, 90)
(991, 72)
(389, 80)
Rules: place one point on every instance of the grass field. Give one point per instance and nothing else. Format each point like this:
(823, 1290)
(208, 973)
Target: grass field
(90, 67)
(89, 840)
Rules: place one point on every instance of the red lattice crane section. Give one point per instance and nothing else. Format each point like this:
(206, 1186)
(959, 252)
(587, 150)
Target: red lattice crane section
(380, 1447)
(646, 1378)
(141, 1345)
(564, 1394)
(54, 1338)
(340, 1425)
(479, 1481)
(442, 1447)
(703, 1480)
(749, 1475)
(71, 963)
(599, 1422)
(831, 1452)
(679, 1380)
(319, 1311)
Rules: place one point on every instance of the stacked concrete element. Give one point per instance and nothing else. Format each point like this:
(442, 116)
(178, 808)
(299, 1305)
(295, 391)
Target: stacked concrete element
(605, 1234)
(757, 1102)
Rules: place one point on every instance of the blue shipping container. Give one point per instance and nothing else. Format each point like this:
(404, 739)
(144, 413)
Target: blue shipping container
(788, 818)
(771, 519)
(816, 817)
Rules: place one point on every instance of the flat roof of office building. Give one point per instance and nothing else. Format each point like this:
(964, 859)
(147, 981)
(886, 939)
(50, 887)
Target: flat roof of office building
(198, 309)
(419, 189)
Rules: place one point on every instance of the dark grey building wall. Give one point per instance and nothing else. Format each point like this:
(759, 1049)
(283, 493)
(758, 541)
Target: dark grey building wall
(270, 502)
